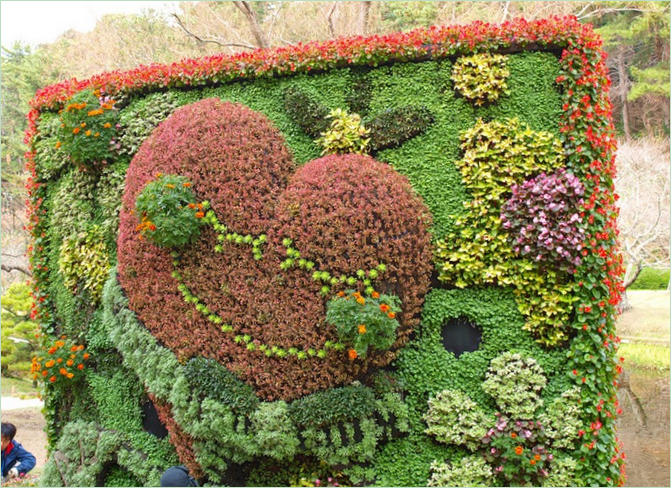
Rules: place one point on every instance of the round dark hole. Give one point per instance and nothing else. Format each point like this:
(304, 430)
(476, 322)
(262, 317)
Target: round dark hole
(460, 336)
(150, 421)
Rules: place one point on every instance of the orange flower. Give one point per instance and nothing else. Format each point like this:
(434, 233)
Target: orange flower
(80, 347)
(384, 307)
(375, 294)
(52, 379)
(44, 373)
(83, 124)
(513, 435)
(58, 144)
(192, 205)
(362, 329)
(80, 366)
(107, 125)
(341, 294)
(59, 360)
(158, 175)
(73, 348)
(88, 133)
(152, 227)
(200, 206)
(96, 134)
(170, 186)
(352, 354)
(59, 343)
(200, 215)
(49, 363)
(64, 337)
(63, 371)
(69, 362)
(537, 457)
(391, 315)
(71, 375)
(361, 300)
(532, 462)
(72, 356)
(186, 185)
(519, 450)
(76, 130)
(52, 350)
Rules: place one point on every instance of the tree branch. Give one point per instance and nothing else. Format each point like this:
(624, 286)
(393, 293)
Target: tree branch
(250, 15)
(8, 268)
(611, 10)
(213, 41)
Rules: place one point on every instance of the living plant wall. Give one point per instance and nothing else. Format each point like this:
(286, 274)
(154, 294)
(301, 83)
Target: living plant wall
(264, 266)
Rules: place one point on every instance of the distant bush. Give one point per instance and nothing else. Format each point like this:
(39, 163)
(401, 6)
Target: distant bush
(651, 279)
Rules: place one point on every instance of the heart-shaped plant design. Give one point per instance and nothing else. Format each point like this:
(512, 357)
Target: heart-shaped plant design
(274, 248)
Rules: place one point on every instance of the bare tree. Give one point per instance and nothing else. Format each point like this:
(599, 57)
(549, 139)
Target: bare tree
(643, 187)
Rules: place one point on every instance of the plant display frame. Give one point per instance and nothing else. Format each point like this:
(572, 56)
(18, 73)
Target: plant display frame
(413, 229)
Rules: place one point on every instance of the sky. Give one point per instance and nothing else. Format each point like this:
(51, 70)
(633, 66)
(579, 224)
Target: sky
(37, 22)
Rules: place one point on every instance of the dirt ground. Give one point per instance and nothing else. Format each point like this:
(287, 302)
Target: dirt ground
(30, 433)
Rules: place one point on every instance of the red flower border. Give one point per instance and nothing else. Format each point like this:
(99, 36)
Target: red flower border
(588, 137)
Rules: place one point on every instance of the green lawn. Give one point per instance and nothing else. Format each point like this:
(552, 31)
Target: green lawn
(18, 388)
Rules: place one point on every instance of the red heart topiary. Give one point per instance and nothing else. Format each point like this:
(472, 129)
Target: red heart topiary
(344, 213)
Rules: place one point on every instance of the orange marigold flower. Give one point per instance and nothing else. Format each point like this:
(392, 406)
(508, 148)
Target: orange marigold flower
(362, 329)
(384, 307)
(83, 124)
(192, 205)
(80, 347)
(96, 134)
(341, 294)
(52, 350)
(158, 175)
(186, 185)
(49, 363)
(519, 450)
(152, 227)
(76, 130)
(72, 356)
(537, 457)
(361, 300)
(375, 294)
(52, 379)
(73, 348)
(58, 144)
(63, 371)
(513, 435)
(59, 343)
(200, 206)
(86, 355)
(532, 462)
(64, 337)
(44, 373)
(170, 186)
(71, 375)
(352, 354)
(88, 133)
(80, 366)
(107, 125)
(200, 215)
(391, 315)
(59, 360)
(69, 362)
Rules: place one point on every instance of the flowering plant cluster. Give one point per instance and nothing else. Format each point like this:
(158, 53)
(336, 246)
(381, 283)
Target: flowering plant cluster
(543, 218)
(364, 322)
(347, 134)
(521, 446)
(481, 78)
(88, 126)
(60, 363)
(168, 213)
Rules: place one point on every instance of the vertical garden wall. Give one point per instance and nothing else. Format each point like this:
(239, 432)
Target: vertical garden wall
(377, 261)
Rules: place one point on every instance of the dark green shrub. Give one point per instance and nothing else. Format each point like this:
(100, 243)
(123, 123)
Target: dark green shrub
(308, 114)
(651, 279)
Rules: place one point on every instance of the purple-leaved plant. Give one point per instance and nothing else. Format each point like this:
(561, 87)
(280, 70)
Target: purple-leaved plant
(544, 221)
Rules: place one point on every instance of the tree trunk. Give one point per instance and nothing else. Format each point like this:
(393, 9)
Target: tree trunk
(250, 15)
(624, 86)
(364, 14)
